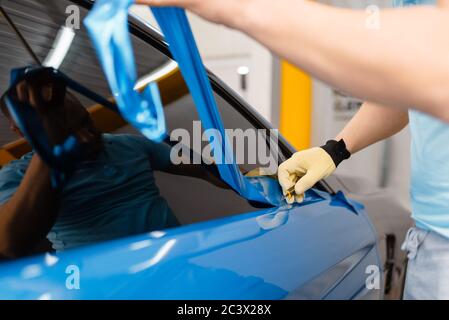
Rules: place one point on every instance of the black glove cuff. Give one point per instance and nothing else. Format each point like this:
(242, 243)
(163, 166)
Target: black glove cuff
(337, 150)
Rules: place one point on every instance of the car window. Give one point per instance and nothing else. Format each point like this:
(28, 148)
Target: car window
(192, 200)
(40, 22)
(195, 200)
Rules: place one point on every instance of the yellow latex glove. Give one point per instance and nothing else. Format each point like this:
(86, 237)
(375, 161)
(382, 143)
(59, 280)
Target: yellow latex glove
(302, 171)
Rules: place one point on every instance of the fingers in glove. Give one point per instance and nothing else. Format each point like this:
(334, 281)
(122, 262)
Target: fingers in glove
(288, 176)
(305, 183)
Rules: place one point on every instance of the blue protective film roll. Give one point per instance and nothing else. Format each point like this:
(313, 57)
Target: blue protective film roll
(108, 28)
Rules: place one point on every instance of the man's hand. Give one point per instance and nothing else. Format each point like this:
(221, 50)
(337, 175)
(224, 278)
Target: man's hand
(218, 11)
(306, 168)
(61, 112)
(302, 171)
(47, 96)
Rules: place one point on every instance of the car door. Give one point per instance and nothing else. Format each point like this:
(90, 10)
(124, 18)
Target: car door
(227, 247)
(318, 250)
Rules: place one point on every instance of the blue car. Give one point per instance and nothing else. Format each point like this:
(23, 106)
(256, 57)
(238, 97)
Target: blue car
(226, 247)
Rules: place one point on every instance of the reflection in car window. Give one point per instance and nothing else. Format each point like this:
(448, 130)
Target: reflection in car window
(39, 22)
(190, 199)
(195, 200)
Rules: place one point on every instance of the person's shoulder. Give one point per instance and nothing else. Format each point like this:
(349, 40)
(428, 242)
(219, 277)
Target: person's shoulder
(16, 167)
(24, 160)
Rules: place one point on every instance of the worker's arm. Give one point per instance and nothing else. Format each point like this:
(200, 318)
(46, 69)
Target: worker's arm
(304, 169)
(166, 158)
(29, 215)
(403, 63)
(373, 123)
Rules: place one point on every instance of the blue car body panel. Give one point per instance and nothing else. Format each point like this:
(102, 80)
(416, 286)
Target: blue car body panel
(317, 250)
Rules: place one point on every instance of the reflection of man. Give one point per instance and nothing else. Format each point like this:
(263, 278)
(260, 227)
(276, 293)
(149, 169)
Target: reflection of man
(112, 194)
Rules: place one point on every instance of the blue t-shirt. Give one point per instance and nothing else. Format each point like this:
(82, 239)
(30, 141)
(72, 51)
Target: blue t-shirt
(114, 196)
(430, 164)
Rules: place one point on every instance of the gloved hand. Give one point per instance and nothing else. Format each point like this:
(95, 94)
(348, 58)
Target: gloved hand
(304, 169)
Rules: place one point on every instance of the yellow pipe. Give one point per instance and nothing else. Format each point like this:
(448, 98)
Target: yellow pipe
(296, 106)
